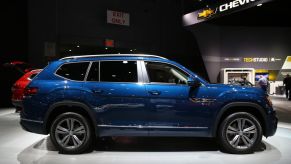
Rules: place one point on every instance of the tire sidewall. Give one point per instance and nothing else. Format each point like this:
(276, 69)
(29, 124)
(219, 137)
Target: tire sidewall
(88, 138)
(222, 133)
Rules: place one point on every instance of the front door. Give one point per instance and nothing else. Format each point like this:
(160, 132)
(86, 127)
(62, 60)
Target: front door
(171, 108)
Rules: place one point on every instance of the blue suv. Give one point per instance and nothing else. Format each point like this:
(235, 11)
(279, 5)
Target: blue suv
(80, 98)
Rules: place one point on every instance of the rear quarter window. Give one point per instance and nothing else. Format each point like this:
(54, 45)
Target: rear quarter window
(32, 76)
(73, 71)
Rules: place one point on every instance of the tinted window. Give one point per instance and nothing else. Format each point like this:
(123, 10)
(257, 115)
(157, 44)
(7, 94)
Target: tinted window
(94, 72)
(165, 73)
(118, 71)
(73, 71)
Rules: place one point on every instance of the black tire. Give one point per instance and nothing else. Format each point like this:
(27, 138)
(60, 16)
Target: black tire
(84, 133)
(240, 144)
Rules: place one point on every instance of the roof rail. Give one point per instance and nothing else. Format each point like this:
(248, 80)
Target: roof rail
(112, 55)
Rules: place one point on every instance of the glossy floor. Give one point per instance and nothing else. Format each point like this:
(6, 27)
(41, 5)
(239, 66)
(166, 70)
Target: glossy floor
(18, 146)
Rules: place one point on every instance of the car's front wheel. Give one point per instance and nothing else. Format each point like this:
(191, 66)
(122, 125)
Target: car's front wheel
(71, 133)
(240, 133)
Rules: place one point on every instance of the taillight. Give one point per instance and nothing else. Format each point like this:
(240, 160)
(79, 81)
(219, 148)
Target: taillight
(29, 91)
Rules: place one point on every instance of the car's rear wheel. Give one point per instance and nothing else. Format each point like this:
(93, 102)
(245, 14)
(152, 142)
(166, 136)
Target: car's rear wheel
(71, 133)
(240, 133)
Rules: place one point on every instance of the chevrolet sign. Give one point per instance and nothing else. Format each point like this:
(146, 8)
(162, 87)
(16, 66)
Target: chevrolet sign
(220, 9)
(234, 4)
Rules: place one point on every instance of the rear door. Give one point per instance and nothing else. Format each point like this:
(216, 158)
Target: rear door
(114, 92)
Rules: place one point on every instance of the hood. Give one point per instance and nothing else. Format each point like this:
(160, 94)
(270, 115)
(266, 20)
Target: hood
(237, 88)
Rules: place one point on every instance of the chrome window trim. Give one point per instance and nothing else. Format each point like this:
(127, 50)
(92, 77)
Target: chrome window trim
(139, 72)
(88, 70)
(112, 55)
(29, 120)
(149, 127)
(99, 71)
(144, 72)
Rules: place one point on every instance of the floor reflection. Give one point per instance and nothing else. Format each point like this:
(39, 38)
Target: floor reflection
(147, 150)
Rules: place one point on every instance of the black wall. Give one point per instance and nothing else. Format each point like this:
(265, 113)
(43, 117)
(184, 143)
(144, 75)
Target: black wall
(155, 28)
(13, 15)
(13, 45)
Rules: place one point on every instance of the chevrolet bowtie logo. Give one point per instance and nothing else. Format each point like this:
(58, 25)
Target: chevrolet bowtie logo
(205, 13)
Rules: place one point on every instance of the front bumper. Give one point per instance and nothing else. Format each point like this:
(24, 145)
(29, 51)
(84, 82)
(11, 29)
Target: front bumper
(271, 124)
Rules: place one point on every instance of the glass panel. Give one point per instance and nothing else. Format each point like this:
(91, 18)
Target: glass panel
(165, 73)
(118, 71)
(73, 71)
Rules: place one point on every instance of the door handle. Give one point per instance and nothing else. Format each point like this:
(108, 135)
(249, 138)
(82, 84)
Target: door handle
(155, 92)
(97, 91)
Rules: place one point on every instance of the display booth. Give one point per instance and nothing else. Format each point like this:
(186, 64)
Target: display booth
(234, 75)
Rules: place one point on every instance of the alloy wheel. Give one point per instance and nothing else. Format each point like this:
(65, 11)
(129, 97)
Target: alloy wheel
(241, 133)
(70, 133)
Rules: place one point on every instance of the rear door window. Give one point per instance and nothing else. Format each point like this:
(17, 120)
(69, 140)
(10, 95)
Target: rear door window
(118, 71)
(73, 71)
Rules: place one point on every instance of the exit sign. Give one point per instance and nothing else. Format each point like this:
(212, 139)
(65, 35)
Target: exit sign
(117, 17)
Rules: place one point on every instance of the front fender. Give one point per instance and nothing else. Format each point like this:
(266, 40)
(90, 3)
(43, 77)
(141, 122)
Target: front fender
(231, 105)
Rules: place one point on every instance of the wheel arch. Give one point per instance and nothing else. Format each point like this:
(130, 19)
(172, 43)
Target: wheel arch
(69, 106)
(233, 107)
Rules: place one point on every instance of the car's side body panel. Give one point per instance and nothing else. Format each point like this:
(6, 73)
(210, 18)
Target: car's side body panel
(140, 108)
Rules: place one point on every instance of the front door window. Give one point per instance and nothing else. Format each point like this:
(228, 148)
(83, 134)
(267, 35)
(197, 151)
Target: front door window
(165, 73)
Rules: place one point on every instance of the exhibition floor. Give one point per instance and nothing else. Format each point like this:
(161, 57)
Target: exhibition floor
(19, 146)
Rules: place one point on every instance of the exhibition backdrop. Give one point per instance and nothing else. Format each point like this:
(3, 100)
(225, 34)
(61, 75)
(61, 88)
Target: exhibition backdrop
(262, 48)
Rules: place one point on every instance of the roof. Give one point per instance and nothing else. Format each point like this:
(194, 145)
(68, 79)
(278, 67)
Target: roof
(112, 55)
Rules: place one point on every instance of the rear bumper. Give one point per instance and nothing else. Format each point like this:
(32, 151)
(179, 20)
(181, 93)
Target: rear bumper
(17, 103)
(271, 124)
(33, 126)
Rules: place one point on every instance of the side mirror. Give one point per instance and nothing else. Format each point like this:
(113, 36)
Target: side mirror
(193, 83)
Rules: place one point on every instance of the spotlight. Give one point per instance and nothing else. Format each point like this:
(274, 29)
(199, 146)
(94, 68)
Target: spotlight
(70, 50)
(78, 46)
(259, 4)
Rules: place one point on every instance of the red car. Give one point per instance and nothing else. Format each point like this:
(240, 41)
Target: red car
(19, 86)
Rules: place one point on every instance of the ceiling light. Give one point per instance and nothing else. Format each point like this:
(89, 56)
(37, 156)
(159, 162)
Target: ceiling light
(260, 4)
(70, 50)
(78, 46)
(106, 48)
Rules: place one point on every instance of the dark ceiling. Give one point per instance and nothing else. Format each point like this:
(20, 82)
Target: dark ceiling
(275, 13)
